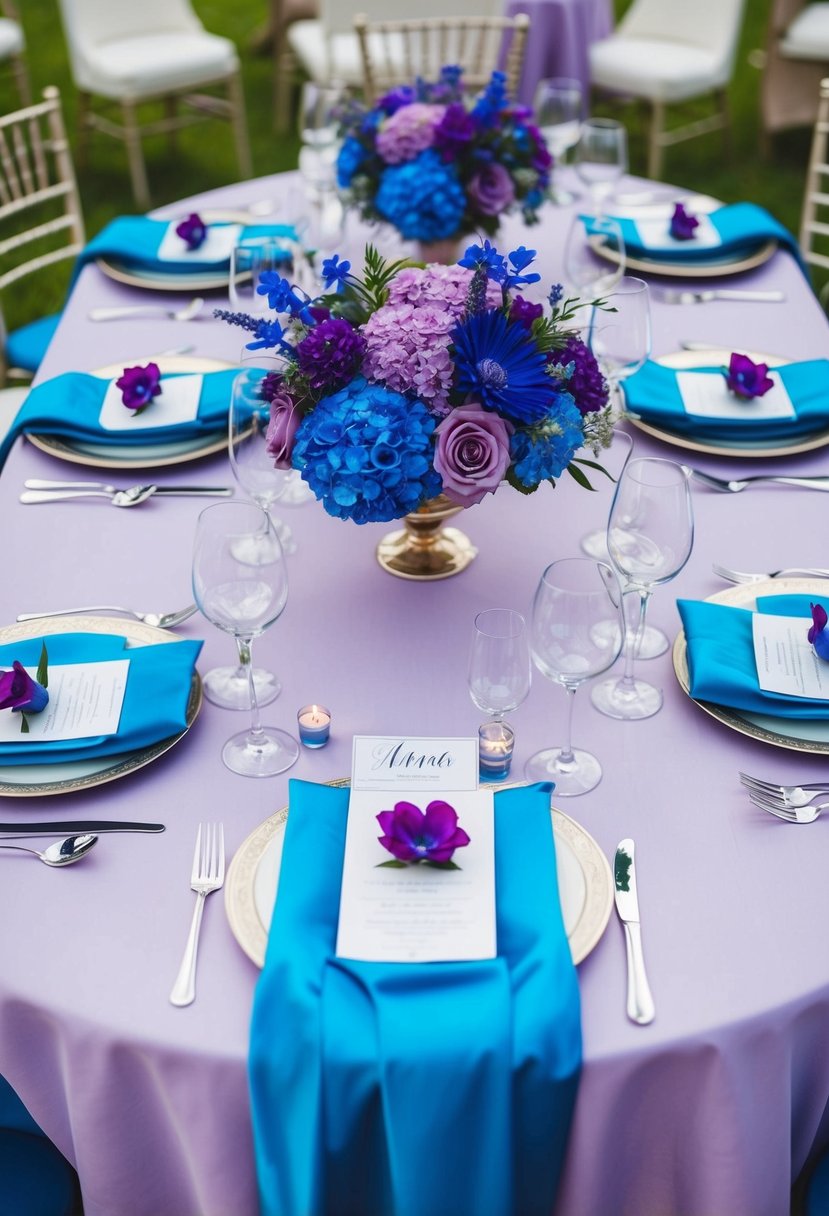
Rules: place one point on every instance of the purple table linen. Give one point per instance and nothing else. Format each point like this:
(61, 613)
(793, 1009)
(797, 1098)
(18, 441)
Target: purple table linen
(710, 1110)
(561, 32)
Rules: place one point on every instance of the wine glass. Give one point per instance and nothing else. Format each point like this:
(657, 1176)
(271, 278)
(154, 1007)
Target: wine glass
(240, 584)
(499, 672)
(247, 262)
(601, 157)
(559, 110)
(319, 119)
(574, 595)
(587, 271)
(650, 534)
(621, 339)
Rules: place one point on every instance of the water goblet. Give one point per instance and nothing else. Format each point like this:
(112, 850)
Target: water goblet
(650, 535)
(320, 106)
(621, 340)
(499, 671)
(247, 262)
(559, 110)
(575, 595)
(601, 157)
(240, 585)
(588, 273)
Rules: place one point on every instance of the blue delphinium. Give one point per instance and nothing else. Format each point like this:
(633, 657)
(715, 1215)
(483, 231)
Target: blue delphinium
(423, 198)
(498, 363)
(366, 453)
(544, 450)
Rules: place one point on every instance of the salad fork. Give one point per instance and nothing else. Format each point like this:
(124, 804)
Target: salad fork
(788, 795)
(161, 620)
(737, 484)
(743, 576)
(790, 814)
(676, 295)
(207, 875)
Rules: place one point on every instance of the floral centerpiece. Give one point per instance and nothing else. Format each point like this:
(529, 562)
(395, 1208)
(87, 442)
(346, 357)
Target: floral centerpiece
(435, 167)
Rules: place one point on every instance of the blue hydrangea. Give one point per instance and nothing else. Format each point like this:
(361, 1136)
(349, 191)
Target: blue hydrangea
(351, 157)
(366, 452)
(544, 450)
(423, 198)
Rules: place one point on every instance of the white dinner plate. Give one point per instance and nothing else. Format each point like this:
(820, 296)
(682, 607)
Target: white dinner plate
(584, 880)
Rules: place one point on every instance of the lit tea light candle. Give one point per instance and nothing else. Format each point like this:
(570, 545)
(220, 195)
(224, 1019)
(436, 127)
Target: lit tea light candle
(314, 723)
(496, 741)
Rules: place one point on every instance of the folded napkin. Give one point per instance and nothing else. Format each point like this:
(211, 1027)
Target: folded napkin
(721, 661)
(155, 701)
(653, 394)
(70, 405)
(136, 240)
(405, 1089)
(738, 228)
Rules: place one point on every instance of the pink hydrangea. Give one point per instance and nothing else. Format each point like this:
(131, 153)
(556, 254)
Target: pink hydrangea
(445, 286)
(409, 131)
(407, 349)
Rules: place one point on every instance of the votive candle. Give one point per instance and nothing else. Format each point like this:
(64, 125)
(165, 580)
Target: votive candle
(314, 723)
(496, 741)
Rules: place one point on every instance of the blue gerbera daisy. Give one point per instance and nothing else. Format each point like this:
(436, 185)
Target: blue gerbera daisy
(498, 362)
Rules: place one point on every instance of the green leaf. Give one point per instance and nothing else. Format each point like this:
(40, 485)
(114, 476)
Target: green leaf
(390, 865)
(512, 479)
(24, 724)
(42, 676)
(594, 464)
(579, 476)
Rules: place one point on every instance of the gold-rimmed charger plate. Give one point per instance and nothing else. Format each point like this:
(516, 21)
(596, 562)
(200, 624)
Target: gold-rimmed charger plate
(584, 877)
(799, 735)
(758, 449)
(37, 780)
(700, 268)
(141, 456)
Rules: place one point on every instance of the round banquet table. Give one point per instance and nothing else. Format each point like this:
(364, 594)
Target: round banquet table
(712, 1109)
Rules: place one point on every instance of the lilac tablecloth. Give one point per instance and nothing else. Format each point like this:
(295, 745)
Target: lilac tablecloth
(710, 1110)
(561, 32)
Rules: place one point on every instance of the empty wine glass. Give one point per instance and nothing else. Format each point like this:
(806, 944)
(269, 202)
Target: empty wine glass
(574, 595)
(240, 583)
(252, 464)
(247, 262)
(588, 271)
(559, 110)
(649, 536)
(320, 107)
(621, 339)
(499, 670)
(601, 157)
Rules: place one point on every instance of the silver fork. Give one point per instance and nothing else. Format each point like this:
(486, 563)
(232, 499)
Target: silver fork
(788, 795)
(737, 484)
(743, 576)
(676, 295)
(791, 814)
(162, 620)
(207, 875)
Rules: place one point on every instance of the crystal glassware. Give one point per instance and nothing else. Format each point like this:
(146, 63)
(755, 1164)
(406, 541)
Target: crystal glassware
(559, 110)
(621, 339)
(601, 157)
(319, 115)
(588, 273)
(650, 535)
(499, 671)
(240, 584)
(574, 595)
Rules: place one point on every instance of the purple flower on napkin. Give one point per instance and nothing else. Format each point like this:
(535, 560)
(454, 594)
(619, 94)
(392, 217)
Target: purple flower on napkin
(193, 231)
(139, 385)
(412, 835)
(683, 224)
(817, 635)
(18, 691)
(747, 379)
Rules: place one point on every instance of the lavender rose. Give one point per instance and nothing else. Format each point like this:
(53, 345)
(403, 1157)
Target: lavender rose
(491, 190)
(19, 691)
(282, 429)
(472, 453)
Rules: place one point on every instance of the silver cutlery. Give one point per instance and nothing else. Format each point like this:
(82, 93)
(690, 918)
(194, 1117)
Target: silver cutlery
(789, 795)
(39, 483)
(62, 853)
(188, 313)
(791, 814)
(737, 484)
(207, 875)
(133, 497)
(23, 831)
(640, 1006)
(677, 295)
(162, 620)
(38, 491)
(743, 576)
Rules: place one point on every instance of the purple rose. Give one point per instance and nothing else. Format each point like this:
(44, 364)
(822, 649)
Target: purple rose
(472, 453)
(282, 429)
(683, 224)
(491, 190)
(410, 834)
(818, 636)
(747, 379)
(19, 691)
(139, 385)
(193, 231)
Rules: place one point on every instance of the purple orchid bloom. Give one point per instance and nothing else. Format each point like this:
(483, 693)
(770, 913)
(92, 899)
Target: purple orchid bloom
(193, 231)
(413, 835)
(817, 635)
(747, 379)
(19, 691)
(683, 224)
(139, 385)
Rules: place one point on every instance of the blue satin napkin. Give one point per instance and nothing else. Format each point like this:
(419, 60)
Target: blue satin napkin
(721, 661)
(69, 405)
(741, 227)
(384, 1089)
(155, 701)
(653, 395)
(134, 240)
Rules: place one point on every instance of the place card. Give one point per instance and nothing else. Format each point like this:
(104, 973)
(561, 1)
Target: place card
(417, 913)
(216, 246)
(655, 234)
(177, 403)
(786, 662)
(85, 701)
(706, 395)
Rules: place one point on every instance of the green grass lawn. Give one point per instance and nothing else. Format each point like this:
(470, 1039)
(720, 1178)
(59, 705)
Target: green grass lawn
(205, 158)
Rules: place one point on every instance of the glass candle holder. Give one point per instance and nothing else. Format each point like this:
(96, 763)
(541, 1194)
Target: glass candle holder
(496, 741)
(314, 724)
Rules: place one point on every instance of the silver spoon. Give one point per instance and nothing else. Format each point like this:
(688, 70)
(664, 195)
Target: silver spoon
(63, 852)
(132, 497)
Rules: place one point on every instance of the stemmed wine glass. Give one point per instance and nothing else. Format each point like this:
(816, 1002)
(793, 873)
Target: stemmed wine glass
(650, 535)
(559, 110)
(601, 157)
(319, 108)
(499, 672)
(588, 272)
(621, 339)
(240, 584)
(574, 595)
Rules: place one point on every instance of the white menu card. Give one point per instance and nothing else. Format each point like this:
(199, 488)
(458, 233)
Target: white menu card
(785, 659)
(706, 395)
(85, 701)
(417, 913)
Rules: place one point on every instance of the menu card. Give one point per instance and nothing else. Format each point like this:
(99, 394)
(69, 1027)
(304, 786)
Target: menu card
(216, 246)
(785, 659)
(417, 913)
(85, 701)
(706, 395)
(176, 404)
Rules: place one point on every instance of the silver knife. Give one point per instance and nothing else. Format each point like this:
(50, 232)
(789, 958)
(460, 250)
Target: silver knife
(36, 483)
(640, 1007)
(65, 827)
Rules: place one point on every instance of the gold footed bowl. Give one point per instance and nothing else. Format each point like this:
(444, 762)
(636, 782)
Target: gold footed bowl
(424, 550)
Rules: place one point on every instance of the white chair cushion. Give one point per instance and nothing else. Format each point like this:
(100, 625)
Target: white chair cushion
(656, 70)
(334, 58)
(11, 38)
(156, 63)
(808, 35)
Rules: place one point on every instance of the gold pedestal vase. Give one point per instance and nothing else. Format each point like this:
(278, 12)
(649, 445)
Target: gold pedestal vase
(424, 550)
